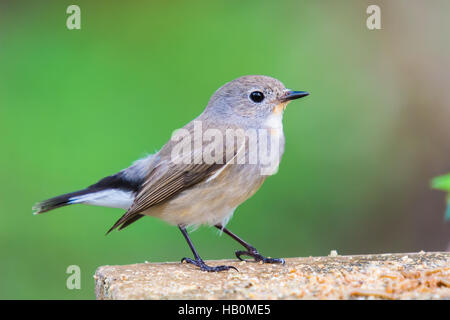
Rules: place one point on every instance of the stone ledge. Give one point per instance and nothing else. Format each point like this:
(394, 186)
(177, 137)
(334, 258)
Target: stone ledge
(378, 276)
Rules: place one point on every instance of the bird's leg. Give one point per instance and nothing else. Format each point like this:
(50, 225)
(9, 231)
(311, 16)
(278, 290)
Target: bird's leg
(251, 250)
(198, 261)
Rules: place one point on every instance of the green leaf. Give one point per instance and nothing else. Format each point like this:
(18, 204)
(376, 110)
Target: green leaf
(441, 182)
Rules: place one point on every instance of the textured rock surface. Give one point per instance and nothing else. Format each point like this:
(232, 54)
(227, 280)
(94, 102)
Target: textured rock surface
(386, 276)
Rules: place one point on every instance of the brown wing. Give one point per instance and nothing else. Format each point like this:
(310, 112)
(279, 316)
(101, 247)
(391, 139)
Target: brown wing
(172, 182)
(165, 181)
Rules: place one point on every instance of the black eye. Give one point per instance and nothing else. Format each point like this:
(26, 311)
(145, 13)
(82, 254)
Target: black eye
(257, 96)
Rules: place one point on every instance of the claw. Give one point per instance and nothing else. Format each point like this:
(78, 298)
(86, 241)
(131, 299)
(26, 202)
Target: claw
(257, 256)
(204, 267)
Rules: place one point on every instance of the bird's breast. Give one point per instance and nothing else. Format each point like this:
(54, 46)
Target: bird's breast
(274, 123)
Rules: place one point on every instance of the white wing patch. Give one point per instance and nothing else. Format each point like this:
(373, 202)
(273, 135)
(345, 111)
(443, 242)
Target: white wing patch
(112, 198)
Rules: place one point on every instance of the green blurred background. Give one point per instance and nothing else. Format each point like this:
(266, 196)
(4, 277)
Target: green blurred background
(82, 104)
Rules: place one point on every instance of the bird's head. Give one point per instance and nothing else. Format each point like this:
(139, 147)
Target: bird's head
(253, 97)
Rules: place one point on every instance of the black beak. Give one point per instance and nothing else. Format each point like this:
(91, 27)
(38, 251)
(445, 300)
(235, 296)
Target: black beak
(292, 95)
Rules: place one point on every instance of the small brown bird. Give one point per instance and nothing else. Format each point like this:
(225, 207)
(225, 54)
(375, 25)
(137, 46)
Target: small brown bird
(206, 170)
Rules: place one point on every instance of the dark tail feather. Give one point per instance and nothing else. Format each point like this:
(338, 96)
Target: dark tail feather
(117, 181)
(130, 221)
(120, 181)
(124, 222)
(57, 202)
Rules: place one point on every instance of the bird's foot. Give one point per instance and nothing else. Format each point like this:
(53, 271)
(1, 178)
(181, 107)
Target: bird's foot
(204, 267)
(257, 256)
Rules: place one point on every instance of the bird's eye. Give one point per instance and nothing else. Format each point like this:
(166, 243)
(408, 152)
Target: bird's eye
(257, 96)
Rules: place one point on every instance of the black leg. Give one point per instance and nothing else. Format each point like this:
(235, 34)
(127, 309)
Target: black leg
(251, 250)
(198, 261)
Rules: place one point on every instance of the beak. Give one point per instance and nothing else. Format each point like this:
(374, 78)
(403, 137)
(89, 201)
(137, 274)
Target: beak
(292, 95)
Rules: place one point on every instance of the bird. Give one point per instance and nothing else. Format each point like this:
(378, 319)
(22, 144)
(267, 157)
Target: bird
(206, 169)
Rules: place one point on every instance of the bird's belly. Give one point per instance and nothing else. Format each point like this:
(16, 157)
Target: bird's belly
(210, 202)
